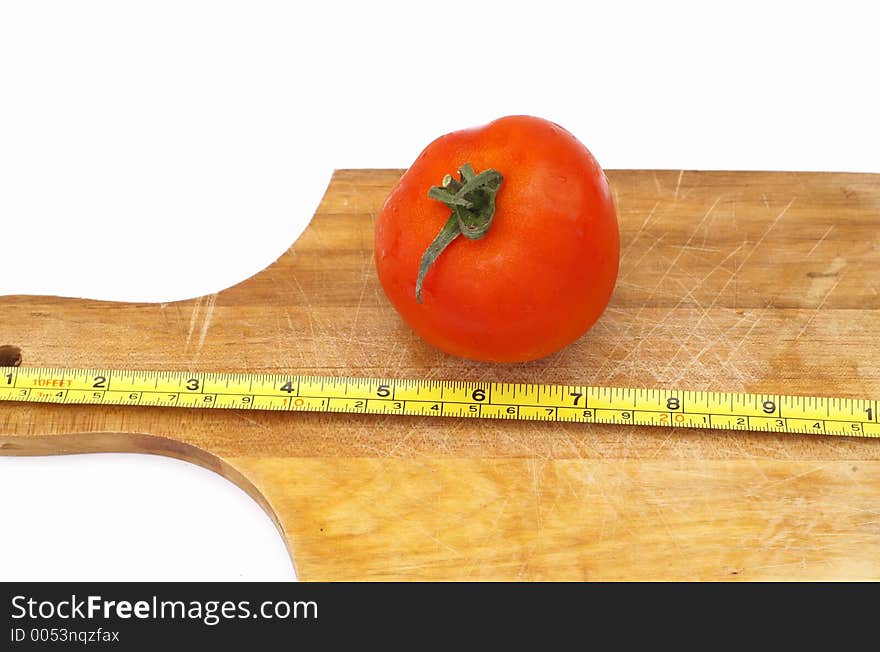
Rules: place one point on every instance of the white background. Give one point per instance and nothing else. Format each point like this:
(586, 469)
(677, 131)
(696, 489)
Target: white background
(202, 135)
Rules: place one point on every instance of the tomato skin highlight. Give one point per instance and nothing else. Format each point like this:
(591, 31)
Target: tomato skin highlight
(540, 277)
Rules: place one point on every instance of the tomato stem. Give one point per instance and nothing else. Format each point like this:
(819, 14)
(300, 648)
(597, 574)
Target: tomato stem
(471, 198)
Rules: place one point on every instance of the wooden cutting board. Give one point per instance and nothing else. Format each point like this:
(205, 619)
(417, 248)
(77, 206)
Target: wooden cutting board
(740, 281)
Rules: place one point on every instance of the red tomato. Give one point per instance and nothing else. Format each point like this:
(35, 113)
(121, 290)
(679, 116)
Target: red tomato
(544, 269)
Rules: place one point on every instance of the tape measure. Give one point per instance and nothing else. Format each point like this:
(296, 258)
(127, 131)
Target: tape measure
(444, 398)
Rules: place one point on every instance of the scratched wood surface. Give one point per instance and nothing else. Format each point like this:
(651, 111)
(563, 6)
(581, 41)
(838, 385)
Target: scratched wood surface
(765, 282)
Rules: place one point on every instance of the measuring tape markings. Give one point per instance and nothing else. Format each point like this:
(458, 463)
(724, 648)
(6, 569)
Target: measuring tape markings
(449, 398)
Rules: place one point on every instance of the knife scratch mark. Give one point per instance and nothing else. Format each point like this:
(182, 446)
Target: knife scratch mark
(536, 487)
(162, 307)
(192, 322)
(820, 241)
(818, 308)
(367, 275)
(791, 478)
(262, 426)
(678, 185)
(179, 320)
(206, 324)
(640, 230)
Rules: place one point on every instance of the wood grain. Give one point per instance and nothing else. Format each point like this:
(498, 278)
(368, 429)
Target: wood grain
(741, 281)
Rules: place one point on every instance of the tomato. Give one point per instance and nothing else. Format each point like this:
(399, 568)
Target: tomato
(500, 243)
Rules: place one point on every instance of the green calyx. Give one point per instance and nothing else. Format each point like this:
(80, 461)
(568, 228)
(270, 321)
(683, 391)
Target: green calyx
(472, 202)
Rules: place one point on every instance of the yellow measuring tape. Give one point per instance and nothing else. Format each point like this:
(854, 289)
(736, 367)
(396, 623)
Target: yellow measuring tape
(447, 398)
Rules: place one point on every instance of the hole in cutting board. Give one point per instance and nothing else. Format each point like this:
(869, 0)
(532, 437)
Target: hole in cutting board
(10, 356)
